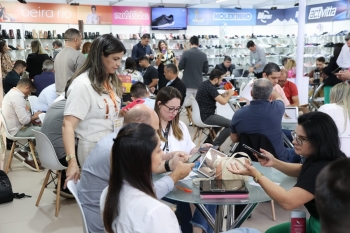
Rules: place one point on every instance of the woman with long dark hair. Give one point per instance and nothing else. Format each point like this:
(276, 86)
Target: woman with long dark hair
(165, 56)
(316, 139)
(331, 79)
(129, 203)
(131, 69)
(175, 136)
(93, 101)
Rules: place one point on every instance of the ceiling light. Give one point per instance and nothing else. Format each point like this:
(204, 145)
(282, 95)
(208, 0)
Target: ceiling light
(273, 8)
(238, 7)
(217, 1)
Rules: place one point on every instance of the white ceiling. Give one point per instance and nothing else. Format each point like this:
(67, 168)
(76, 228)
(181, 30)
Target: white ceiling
(186, 3)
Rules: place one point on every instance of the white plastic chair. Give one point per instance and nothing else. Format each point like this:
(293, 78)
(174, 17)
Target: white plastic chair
(42, 117)
(345, 144)
(200, 126)
(49, 160)
(15, 141)
(33, 101)
(73, 188)
(188, 108)
(245, 90)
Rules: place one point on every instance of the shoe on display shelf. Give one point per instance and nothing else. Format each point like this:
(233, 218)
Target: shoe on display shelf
(163, 21)
(19, 47)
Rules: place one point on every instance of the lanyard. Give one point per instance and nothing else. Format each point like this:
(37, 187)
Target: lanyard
(144, 71)
(112, 96)
(166, 134)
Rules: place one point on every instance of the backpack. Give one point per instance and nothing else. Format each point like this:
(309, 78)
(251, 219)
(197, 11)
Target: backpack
(6, 194)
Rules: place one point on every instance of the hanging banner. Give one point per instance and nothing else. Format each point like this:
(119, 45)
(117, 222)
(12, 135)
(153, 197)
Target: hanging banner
(37, 13)
(220, 17)
(291, 15)
(327, 12)
(270, 17)
(124, 15)
(95, 14)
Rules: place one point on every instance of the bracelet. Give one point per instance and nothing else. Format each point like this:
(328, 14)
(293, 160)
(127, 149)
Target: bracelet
(256, 179)
(166, 166)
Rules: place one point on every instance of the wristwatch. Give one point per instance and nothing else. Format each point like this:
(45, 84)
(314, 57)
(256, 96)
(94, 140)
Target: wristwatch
(69, 157)
(256, 179)
(166, 166)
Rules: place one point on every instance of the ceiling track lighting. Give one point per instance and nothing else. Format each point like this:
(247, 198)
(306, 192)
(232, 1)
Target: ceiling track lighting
(296, 3)
(22, 1)
(274, 8)
(74, 4)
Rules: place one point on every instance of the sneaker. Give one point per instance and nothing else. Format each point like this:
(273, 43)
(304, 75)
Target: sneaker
(20, 155)
(163, 21)
(31, 165)
(64, 194)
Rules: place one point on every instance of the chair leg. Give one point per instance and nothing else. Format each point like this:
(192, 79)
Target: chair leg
(32, 150)
(58, 193)
(10, 157)
(195, 135)
(200, 137)
(189, 114)
(43, 187)
(273, 210)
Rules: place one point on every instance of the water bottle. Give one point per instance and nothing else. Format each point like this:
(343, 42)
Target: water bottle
(317, 76)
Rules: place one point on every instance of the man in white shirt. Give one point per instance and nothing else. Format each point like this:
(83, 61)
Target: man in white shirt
(18, 116)
(93, 18)
(139, 91)
(343, 60)
(273, 72)
(46, 98)
(96, 169)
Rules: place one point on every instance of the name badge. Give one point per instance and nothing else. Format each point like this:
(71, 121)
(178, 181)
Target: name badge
(253, 61)
(118, 123)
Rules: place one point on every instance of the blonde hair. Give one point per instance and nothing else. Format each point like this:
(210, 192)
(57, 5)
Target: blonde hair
(340, 95)
(36, 47)
(290, 64)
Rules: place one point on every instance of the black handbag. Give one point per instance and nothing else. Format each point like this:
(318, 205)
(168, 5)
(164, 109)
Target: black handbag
(6, 194)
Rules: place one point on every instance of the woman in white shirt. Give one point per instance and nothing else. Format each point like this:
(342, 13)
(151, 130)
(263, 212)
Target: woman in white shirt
(131, 69)
(174, 136)
(339, 108)
(93, 101)
(129, 204)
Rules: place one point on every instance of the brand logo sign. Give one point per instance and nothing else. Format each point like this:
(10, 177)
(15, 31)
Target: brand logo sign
(263, 16)
(321, 12)
(131, 15)
(232, 16)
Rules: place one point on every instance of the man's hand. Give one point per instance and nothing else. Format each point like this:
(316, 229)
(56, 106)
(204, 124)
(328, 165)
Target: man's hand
(275, 95)
(343, 75)
(151, 56)
(181, 171)
(251, 69)
(152, 89)
(228, 74)
(179, 156)
(72, 172)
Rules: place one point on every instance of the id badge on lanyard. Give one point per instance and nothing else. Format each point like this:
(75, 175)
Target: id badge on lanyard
(117, 123)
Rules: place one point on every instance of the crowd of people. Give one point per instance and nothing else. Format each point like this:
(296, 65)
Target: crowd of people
(115, 151)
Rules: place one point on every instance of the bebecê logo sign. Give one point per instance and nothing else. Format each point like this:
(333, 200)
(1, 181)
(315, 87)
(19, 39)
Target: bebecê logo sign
(232, 16)
(131, 15)
(263, 17)
(320, 12)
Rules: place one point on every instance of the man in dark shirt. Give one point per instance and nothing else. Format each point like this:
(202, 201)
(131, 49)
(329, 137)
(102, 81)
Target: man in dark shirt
(263, 117)
(226, 66)
(142, 49)
(170, 72)
(14, 76)
(207, 96)
(46, 78)
(149, 73)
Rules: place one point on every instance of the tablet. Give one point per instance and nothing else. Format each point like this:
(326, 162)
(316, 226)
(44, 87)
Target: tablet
(211, 187)
(208, 164)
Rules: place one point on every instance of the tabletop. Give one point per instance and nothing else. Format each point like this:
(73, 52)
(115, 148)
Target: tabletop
(256, 193)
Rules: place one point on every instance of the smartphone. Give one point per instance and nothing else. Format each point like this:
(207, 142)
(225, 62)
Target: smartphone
(193, 158)
(260, 155)
(217, 186)
(336, 70)
(205, 149)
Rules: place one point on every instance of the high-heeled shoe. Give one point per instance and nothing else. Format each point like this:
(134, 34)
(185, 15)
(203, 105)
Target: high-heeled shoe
(97, 34)
(19, 47)
(54, 34)
(85, 36)
(45, 35)
(26, 34)
(49, 35)
(41, 36)
(12, 36)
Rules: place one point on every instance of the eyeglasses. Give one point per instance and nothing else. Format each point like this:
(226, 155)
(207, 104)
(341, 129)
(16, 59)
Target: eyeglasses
(297, 138)
(173, 109)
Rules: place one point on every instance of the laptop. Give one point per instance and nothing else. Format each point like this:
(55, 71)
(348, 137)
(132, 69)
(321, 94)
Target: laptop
(245, 73)
(237, 72)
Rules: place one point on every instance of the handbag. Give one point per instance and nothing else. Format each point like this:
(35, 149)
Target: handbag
(222, 173)
(6, 194)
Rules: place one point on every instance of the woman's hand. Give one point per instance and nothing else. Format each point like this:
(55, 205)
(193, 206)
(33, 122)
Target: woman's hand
(247, 170)
(264, 162)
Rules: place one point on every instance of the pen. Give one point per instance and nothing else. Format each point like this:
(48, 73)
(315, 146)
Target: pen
(184, 189)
